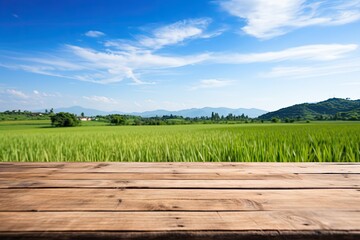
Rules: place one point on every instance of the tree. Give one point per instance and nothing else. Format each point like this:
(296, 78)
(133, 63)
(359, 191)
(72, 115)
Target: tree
(275, 120)
(117, 119)
(215, 116)
(82, 114)
(64, 119)
(230, 117)
(137, 121)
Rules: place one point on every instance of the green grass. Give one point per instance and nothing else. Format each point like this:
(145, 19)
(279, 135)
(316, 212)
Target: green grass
(301, 142)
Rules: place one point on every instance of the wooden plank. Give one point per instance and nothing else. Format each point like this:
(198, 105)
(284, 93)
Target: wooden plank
(209, 166)
(173, 176)
(176, 184)
(177, 200)
(158, 176)
(354, 170)
(191, 168)
(192, 200)
(174, 164)
(175, 221)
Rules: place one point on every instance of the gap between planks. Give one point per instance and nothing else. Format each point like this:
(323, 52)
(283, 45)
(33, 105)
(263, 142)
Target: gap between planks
(185, 235)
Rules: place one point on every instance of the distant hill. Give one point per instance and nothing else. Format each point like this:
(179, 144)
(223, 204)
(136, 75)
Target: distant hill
(193, 112)
(203, 112)
(330, 109)
(87, 111)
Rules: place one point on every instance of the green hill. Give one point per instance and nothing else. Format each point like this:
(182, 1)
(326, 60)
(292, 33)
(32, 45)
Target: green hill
(331, 109)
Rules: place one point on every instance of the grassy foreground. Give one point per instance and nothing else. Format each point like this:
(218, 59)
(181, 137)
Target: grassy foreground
(308, 142)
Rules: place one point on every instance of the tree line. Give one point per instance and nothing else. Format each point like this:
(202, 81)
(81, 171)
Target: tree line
(64, 119)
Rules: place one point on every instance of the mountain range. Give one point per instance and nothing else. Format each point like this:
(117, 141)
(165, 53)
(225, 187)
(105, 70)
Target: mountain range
(330, 109)
(193, 112)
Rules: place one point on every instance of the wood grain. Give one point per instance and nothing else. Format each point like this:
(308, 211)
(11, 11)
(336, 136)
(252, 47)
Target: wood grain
(180, 201)
(173, 176)
(181, 184)
(178, 168)
(188, 221)
(177, 200)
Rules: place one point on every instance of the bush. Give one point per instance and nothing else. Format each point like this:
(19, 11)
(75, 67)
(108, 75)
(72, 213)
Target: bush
(275, 120)
(117, 120)
(64, 119)
(289, 120)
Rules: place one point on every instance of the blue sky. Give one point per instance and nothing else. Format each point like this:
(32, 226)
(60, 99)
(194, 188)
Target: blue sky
(137, 55)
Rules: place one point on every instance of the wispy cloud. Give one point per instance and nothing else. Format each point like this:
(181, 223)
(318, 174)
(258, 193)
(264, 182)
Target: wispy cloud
(115, 66)
(266, 19)
(103, 67)
(35, 94)
(94, 34)
(100, 99)
(121, 59)
(172, 34)
(107, 67)
(176, 33)
(211, 83)
(351, 83)
(328, 69)
(323, 52)
(45, 94)
(35, 99)
(54, 62)
(16, 93)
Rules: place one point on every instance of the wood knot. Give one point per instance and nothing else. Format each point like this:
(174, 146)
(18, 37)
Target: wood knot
(101, 165)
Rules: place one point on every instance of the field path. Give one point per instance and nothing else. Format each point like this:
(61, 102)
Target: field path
(179, 201)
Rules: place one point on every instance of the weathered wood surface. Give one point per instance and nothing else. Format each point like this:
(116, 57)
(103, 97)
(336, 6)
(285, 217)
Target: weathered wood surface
(179, 201)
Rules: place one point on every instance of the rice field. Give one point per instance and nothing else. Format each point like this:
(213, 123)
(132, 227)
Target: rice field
(29, 141)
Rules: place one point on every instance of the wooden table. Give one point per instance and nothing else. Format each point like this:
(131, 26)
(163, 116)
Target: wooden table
(179, 201)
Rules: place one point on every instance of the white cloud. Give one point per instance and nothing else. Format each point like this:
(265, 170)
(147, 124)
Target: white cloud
(329, 69)
(266, 19)
(94, 34)
(100, 99)
(133, 59)
(172, 34)
(44, 94)
(320, 52)
(110, 67)
(123, 59)
(16, 93)
(211, 83)
(352, 83)
(175, 33)
(39, 69)
(143, 59)
(54, 62)
(123, 45)
(107, 67)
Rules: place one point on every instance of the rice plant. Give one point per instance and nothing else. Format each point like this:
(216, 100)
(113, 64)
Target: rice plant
(314, 142)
